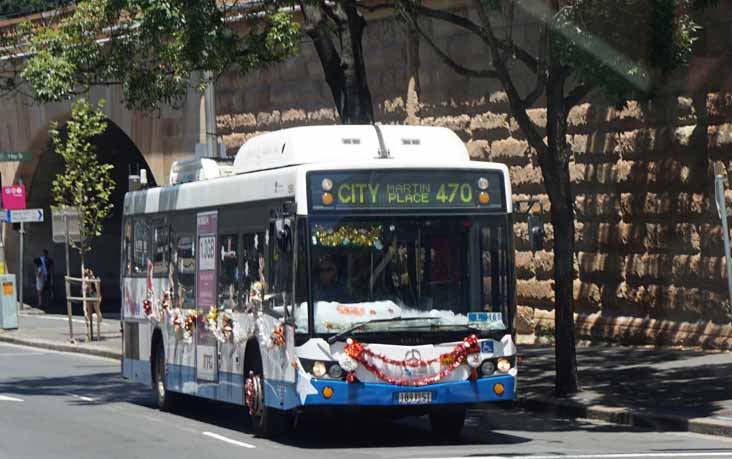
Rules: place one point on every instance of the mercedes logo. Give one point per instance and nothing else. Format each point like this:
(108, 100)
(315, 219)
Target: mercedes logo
(410, 358)
(412, 355)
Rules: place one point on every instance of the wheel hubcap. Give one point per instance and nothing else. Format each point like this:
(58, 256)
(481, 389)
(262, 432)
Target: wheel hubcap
(253, 394)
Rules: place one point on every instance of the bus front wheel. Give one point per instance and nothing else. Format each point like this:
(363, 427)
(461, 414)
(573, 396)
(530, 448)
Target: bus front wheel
(267, 422)
(448, 421)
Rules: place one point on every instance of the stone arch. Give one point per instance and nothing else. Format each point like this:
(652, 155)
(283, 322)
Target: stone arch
(114, 147)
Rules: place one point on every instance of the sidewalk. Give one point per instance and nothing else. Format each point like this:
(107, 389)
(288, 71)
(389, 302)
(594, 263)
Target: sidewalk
(666, 389)
(51, 331)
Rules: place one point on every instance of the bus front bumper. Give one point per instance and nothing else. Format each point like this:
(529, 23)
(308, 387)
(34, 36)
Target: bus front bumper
(491, 389)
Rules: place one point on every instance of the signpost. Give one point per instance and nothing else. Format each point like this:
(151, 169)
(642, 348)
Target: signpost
(14, 156)
(723, 214)
(22, 217)
(66, 227)
(13, 197)
(10, 156)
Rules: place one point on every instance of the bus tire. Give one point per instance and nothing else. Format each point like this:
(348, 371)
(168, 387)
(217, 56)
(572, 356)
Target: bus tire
(267, 422)
(448, 421)
(164, 399)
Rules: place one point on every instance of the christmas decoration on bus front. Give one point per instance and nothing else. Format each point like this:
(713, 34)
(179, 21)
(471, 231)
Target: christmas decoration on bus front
(360, 354)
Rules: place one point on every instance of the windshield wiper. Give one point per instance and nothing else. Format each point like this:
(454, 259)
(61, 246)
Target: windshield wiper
(355, 327)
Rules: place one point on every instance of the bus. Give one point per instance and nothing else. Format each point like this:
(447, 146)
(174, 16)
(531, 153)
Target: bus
(326, 267)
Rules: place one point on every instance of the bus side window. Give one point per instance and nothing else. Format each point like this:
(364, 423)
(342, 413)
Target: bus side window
(185, 270)
(280, 273)
(228, 270)
(141, 239)
(161, 250)
(493, 269)
(252, 254)
(127, 248)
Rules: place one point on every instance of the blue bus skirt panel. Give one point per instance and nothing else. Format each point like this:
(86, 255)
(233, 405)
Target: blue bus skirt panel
(373, 394)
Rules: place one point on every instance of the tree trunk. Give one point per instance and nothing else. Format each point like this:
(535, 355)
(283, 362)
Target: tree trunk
(555, 170)
(344, 68)
(359, 107)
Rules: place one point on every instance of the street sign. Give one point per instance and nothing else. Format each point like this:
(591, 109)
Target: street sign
(13, 197)
(22, 216)
(7, 156)
(58, 230)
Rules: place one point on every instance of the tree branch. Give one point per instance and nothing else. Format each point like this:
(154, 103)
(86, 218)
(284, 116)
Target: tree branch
(442, 15)
(576, 95)
(462, 70)
(376, 7)
(518, 106)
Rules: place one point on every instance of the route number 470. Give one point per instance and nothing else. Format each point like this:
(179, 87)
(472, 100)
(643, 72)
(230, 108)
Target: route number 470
(449, 192)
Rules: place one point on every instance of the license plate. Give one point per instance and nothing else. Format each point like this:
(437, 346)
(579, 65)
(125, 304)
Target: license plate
(415, 398)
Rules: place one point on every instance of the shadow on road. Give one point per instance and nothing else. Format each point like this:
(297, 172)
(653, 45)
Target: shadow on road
(488, 426)
(666, 381)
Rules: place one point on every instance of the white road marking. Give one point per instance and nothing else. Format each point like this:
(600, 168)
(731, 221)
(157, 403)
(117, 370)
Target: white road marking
(228, 440)
(600, 456)
(701, 436)
(5, 398)
(81, 397)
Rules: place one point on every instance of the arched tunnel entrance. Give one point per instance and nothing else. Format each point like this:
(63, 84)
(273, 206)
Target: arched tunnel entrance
(113, 147)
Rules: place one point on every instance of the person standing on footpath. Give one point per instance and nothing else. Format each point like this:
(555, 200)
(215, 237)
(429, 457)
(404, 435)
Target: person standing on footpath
(49, 281)
(40, 280)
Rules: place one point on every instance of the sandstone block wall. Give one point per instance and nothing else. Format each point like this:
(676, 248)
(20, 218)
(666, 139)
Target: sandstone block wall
(648, 237)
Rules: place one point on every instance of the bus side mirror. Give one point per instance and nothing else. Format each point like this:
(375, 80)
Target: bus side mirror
(536, 232)
(283, 233)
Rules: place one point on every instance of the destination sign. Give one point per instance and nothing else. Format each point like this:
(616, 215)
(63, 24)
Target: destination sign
(395, 189)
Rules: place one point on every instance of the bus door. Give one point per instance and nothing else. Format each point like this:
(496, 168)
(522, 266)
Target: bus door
(206, 284)
(278, 349)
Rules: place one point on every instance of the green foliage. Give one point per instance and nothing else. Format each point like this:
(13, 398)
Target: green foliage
(626, 46)
(86, 182)
(152, 48)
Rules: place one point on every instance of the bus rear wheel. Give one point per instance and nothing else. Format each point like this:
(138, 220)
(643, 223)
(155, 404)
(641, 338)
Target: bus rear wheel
(164, 399)
(448, 421)
(267, 422)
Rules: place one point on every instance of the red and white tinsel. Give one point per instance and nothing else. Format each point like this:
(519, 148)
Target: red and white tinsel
(359, 353)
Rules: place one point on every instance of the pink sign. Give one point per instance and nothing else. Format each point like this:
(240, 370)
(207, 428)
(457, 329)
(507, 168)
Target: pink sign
(13, 197)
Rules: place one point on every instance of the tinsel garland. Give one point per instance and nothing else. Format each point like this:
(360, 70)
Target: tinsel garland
(147, 303)
(349, 235)
(147, 307)
(450, 360)
(227, 330)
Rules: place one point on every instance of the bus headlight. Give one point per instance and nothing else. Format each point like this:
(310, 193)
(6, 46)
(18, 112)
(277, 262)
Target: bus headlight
(326, 184)
(487, 368)
(319, 369)
(335, 371)
(504, 365)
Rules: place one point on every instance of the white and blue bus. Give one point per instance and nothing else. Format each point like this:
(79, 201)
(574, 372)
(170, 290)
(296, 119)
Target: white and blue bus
(331, 266)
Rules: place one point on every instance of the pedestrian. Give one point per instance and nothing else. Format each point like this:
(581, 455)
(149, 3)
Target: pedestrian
(40, 280)
(94, 301)
(50, 281)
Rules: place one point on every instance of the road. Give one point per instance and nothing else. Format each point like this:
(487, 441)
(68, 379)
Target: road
(56, 405)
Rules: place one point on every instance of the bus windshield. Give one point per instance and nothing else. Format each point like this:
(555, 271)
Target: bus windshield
(441, 269)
